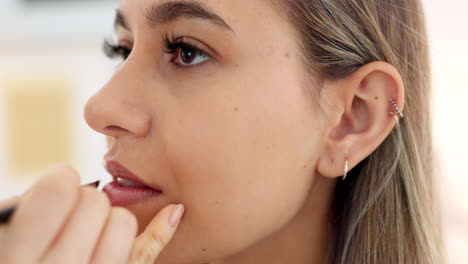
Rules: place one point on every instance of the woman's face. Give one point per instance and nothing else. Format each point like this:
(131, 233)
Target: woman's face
(229, 130)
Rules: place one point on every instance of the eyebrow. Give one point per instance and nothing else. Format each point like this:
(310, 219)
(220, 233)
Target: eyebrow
(171, 11)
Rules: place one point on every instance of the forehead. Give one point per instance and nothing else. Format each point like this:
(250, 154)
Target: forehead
(240, 15)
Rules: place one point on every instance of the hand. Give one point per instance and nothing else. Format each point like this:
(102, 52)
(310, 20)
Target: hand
(156, 236)
(58, 221)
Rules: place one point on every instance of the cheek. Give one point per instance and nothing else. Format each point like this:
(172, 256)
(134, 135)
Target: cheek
(239, 162)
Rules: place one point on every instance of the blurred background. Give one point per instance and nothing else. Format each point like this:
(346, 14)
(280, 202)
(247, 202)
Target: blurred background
(51, 61)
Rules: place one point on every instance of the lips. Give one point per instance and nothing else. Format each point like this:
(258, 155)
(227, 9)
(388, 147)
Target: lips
(127, 188)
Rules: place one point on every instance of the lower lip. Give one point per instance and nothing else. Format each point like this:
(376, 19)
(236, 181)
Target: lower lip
(122, 196)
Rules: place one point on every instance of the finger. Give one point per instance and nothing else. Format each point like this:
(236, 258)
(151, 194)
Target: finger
(156, 236)
(40, 215)
(117, 239)
(76, 242)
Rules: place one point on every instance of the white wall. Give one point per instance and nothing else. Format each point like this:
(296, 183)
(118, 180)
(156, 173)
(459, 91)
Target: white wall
(448, 31)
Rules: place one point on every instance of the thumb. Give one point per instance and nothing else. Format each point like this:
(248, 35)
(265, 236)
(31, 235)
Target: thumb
(157, 235)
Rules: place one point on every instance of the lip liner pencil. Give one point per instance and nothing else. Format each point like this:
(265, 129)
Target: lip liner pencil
(6, 214)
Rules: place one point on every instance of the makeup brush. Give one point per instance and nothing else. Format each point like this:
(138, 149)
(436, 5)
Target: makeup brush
(6, 214)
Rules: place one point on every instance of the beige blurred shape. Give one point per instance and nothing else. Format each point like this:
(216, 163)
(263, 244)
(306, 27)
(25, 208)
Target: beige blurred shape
(39, 122)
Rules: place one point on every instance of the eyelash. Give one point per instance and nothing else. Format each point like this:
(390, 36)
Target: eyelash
(171, 44)
(112, 50)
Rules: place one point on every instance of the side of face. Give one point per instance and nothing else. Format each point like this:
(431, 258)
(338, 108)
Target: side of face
(234, 138)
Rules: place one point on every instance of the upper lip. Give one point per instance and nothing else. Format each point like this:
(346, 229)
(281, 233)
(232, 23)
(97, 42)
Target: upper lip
(117, 170)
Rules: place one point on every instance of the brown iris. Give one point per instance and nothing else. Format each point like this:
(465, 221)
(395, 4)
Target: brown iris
(188, 55)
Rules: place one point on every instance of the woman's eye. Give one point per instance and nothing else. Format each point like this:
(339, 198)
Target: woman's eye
(112, 50)
(187, 56)
(124, 52)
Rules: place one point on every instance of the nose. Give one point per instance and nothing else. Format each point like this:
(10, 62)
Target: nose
(117, 110)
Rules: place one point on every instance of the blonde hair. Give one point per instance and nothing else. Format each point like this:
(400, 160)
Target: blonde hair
(384, 212)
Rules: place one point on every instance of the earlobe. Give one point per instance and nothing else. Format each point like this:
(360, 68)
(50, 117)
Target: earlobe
(371, 102)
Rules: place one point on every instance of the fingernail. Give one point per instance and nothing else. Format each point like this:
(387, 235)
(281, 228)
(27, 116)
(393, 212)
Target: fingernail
(176, 215)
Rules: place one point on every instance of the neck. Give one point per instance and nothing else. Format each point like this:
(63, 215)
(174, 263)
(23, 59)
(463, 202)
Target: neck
(306, 239)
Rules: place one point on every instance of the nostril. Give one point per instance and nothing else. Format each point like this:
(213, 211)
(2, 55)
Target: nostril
(114, 129)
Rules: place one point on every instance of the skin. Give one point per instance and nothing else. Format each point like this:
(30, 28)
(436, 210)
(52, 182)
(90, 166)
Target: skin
(237, 139)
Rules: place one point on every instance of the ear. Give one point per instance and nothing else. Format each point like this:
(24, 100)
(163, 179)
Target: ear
(359, 121)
